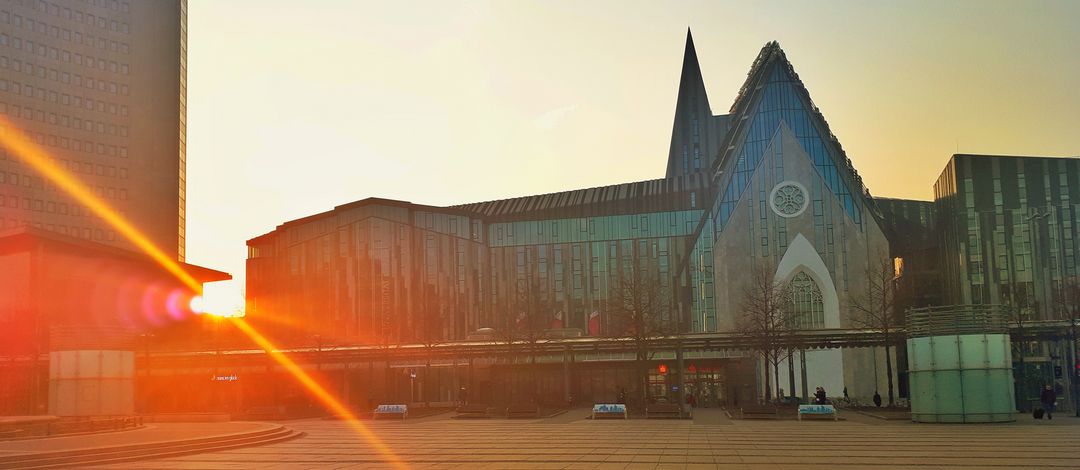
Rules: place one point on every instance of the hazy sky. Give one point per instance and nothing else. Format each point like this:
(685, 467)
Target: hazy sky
(297, 106)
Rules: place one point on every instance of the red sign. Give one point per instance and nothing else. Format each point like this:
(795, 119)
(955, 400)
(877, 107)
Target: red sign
(692, 369)
(663, 369)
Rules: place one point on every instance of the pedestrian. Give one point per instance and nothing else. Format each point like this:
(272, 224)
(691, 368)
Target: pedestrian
(845, 392)
(877, 399)
(819, 396)
(1049, 401)
(463, 396)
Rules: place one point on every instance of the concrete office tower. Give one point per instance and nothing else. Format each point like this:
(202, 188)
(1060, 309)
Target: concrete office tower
(101, 86)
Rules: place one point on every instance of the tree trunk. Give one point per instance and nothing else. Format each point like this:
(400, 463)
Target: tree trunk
(641, 373)
(535, 380)
(791, 373)
(768, 389)
(888, 371)
(776, 373)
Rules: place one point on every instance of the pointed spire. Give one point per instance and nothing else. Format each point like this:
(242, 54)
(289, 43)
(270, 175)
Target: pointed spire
(691, 71)
(691, 135)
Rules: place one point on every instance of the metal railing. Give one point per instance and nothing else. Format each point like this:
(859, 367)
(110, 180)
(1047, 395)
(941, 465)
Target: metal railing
(956, 320)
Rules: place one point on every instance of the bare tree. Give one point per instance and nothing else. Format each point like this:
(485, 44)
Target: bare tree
(523, 326)
(534, 317)
(764, 319)
(430, 330)
(880, 308)
(639, 308)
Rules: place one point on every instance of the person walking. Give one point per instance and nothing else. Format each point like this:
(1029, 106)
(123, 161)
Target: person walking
(1049, 401)
(877, 399)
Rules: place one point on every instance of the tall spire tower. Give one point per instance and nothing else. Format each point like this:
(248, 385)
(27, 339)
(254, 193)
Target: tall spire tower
(695, 131)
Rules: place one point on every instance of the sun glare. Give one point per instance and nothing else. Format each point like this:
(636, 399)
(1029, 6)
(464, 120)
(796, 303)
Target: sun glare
(230, 305)
(220, 299)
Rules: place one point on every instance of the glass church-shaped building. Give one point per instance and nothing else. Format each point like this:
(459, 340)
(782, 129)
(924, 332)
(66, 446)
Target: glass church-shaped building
(764, 188)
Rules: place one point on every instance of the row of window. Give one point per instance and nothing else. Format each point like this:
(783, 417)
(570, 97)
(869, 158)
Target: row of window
(71, 230)
(89, 83)
(87, 146)
(36, 182)
(77, 16)
(53, 207)
(66, 56)
(63, 120)
(63, 55)
(65, 99)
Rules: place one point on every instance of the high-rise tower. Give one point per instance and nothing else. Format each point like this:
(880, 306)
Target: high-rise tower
(101, 86)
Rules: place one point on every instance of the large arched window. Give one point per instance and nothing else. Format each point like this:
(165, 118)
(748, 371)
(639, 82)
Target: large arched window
(808, 310)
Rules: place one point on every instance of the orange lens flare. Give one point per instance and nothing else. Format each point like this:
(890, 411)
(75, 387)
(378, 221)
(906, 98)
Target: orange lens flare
(40, 160)
(319, 392)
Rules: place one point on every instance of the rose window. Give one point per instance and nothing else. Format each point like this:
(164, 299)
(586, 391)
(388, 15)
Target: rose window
(789, 199)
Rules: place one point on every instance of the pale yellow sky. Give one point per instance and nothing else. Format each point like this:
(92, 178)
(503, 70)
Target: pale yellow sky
(295, 107)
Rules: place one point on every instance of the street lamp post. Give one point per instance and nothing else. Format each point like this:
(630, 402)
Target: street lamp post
(1076, 368)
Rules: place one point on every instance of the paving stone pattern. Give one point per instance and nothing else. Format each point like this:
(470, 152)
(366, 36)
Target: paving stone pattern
(709, 441)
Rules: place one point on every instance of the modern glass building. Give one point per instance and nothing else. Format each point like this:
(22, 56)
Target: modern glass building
(766, 186)
(1009, 233)
(1010, 229)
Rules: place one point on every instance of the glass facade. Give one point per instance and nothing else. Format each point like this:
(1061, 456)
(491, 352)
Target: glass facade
(389, 271)
(1010, 230)
(375, 273)
(911, 227)
(781, 100)
(579, 263)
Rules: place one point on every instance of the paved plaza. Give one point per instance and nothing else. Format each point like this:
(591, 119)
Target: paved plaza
(711, 440)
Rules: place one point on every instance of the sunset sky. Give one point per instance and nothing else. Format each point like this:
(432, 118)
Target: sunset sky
(295, 107)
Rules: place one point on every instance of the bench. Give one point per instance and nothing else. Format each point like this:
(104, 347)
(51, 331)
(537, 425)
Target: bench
(473, 411)
(609, 410)
(817, 410)
(758, 411)
(663, 410)
(390, 411)
(522, 411)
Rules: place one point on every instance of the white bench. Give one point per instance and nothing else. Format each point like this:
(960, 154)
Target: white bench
(609, 410)
(817, 410)
(391, 411)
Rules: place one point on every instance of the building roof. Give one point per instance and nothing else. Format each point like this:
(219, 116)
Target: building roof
(744, 102)
(25, 238)
(642, 196)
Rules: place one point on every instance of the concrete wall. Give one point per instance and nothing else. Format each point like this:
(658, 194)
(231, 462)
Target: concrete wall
(91, 383)
(801, 243)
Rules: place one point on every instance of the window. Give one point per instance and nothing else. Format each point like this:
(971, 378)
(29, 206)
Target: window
(808, 311)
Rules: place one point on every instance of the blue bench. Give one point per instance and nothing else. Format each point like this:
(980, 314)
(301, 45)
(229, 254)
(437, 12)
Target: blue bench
(609, 410)
(817, 410)
(391, 411)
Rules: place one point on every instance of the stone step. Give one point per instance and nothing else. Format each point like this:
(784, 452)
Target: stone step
(156, 450)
